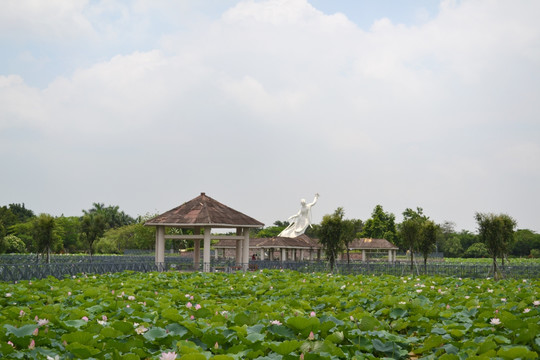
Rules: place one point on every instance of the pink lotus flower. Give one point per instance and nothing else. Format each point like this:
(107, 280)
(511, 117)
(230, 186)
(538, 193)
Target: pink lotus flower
(168, 356)
(69, 293)
(35, 332)
(312, 314)
(526, 310)
(42, 322)
(85, 318)
(197, 307)
(104, 318)
(192, 317)
(21, 313)
(216, 345)
(32, 344)
(189, 305)
(275, 322)
(10, 343)
(131, 297)
(311, 336)
(495, 321)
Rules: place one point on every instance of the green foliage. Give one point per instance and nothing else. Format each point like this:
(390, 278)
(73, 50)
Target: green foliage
(330, 235)
(69, 228)
(92, 227)
(270, 231)
(268, 315)
(46, 236)
(7, 218)
(12, 245)
(21, 212)
(497, 232)
(25, 232)
(535, 253)
(452, 247)
(428, 239)
(477, 250)
(525, 242)
(381, 225)
(112, 215)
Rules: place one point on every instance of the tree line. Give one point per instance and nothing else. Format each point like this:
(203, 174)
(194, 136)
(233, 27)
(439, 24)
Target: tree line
(107, 229)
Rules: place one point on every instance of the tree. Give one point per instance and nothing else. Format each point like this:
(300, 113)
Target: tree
(45, 235)
(92, 228)
(525, 242)
(350, 228)
(428, 239)
(411, 230)
(496, 232)
(330, 235)
(70, 227)
(114, 218)
(381, 225)
(23, 214)
(272, 231)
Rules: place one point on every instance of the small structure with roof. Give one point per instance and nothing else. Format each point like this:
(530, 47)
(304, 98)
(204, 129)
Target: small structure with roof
(367, 245)
(298, 248)
(205, 213)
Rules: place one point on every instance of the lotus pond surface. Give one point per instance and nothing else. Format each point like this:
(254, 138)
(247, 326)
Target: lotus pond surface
(268, 315)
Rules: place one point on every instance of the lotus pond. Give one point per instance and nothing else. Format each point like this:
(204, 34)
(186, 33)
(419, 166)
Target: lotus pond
(268, 315)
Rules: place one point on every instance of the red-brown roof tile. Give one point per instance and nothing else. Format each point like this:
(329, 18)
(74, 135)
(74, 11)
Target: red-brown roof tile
(204, 211)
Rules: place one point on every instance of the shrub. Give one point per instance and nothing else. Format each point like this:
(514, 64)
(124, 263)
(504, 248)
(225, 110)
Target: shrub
(477, 250)
(12, 244)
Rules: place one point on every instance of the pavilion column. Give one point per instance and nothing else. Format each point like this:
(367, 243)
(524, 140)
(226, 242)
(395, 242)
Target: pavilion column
(160, 246)
(245, 250)
(238, 248)
(311, 255)
(262, 254)
(206, 249)
(390, 255)
(301, 254)
(283, 254)
(196, 249)
(364, 255)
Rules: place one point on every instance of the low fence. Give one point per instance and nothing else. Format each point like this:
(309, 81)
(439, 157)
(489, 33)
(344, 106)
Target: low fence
(26, 267)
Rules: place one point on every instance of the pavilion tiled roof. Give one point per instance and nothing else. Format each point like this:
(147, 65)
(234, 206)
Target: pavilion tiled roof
(204, 211)
(371, 244)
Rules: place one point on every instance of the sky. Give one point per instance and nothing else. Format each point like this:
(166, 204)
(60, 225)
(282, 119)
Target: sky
(260, 103)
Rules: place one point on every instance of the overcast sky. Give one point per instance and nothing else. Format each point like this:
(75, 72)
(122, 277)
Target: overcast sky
(146, 104)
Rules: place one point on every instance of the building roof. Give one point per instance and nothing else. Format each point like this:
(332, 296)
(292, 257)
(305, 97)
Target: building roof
(204, 211)
(371, 244)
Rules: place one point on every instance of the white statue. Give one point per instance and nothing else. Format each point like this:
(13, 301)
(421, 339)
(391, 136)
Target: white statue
(300, 221)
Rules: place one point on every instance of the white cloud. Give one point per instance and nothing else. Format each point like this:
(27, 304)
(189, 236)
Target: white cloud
(391, 116)
(51, 20)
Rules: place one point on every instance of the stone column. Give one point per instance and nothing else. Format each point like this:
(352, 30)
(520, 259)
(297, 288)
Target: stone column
(238, 248)
(262, 254)
(245, 250)
(196, 249)
(390, 255)
(283, 254)
(160, 245)
(364, 255)
(206, 249)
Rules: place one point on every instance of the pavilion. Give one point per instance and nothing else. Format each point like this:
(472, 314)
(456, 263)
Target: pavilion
(204, 213)
(368, 245)
(299, 248)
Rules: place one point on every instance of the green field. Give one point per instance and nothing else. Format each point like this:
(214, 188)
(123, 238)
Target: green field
(269, 315)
